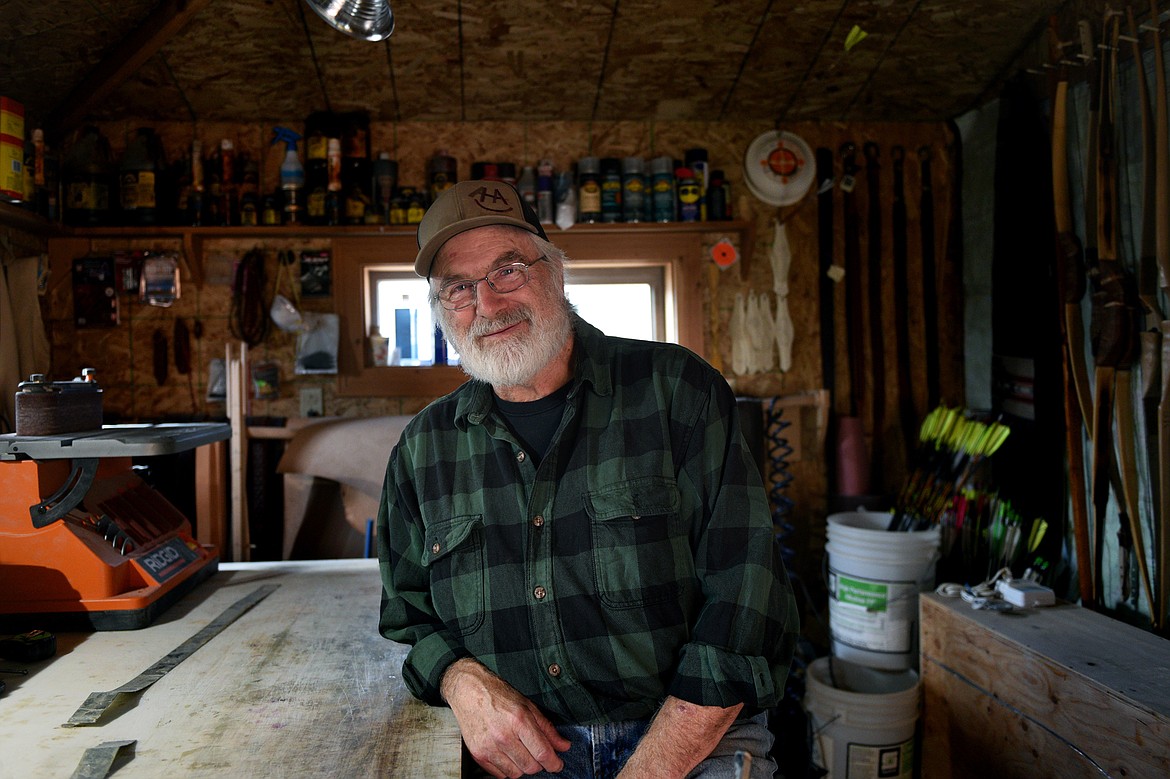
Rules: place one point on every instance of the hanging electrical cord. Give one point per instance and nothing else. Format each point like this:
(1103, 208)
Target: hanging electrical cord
(793, 749)
(778, 450)
(249, 312)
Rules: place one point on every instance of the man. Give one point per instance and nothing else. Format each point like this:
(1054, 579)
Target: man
(576, 542)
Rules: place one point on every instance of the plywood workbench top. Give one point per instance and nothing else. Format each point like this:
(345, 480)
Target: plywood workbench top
(300, 685)
(1058, 692)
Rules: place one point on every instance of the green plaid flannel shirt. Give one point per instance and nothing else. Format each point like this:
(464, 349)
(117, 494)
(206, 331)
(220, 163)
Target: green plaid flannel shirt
(635, 561)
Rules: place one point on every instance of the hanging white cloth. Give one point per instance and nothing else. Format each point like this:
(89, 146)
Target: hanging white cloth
(761, 331)
(781, 258)
(24, 346)
(739, 337)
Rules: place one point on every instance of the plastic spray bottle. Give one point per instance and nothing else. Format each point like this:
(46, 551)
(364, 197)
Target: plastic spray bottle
(292, 177)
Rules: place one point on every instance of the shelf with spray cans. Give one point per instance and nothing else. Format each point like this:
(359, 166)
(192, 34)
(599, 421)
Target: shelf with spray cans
(193, 239)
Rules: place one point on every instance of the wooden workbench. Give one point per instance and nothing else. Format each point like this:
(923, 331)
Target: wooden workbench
(1060, 692)
(302, 684)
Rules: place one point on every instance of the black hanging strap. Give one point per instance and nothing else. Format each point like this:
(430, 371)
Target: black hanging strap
(873, 280)
(907, 416)
(929, 278)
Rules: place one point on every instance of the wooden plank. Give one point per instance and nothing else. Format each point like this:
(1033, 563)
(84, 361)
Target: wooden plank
(168, 18)
(1087, 693)
(211, 494)
(302, 684)
(236, 368)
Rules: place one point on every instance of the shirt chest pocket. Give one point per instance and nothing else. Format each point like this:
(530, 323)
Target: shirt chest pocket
(640, 553)
(454, 554)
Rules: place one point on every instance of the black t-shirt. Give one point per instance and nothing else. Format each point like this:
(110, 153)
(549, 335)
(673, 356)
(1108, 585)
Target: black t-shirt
(535, 421)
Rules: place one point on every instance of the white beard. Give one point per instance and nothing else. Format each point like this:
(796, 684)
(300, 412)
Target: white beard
(517, 359)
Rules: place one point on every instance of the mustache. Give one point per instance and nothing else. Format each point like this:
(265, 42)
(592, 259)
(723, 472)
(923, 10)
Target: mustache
(481, 327)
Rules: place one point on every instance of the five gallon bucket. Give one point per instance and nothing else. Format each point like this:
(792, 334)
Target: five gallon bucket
(863, 719)
(875, 576)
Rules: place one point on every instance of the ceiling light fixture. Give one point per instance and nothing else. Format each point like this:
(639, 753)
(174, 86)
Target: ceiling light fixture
(367, 20)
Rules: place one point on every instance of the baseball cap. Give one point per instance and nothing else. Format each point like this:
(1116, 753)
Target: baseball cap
(467, 205)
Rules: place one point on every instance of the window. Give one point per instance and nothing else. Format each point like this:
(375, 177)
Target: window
(623, 300)
(401, 311)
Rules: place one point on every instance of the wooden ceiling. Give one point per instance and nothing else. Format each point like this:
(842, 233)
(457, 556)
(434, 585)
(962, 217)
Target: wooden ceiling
(483, 60)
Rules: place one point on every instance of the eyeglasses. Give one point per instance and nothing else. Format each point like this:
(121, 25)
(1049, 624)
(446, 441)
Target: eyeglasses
(460, 293)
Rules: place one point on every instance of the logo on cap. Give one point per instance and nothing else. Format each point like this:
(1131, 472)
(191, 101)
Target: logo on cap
(491, 200)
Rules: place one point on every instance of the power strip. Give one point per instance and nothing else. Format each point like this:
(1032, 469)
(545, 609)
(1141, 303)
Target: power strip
(1025, 593)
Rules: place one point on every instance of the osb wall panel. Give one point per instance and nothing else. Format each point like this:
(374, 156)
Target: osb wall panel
(123, 354)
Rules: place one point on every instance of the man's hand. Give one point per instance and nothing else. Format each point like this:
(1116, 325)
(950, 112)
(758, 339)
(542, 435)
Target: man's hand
(681, 736)
(504, 731)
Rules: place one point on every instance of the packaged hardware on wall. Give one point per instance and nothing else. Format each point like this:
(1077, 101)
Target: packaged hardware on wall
(317, 344)
(95, 291)
(316, 274)
(158, 280)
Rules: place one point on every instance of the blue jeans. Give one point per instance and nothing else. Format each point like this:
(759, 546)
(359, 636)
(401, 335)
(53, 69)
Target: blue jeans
(600, 751)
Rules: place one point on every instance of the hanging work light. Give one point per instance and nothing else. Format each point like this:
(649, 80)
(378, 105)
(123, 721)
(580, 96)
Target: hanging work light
(369, 20)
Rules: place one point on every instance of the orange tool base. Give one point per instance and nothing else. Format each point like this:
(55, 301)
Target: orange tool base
(129, 611)
(115, 562)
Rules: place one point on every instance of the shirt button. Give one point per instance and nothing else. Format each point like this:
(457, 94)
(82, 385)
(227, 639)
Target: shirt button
(554, 670)
(540, 592)
(521, 457)
(435, 548)
(538, 521)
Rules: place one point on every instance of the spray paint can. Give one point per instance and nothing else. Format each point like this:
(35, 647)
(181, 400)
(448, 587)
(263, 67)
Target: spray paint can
(441, 174)
(696, 160)
(717, 198)
(545, 200)
(689, 195)
(633, 189)
(385, 181)
(589, 190)
(611, 189)
(662, 188)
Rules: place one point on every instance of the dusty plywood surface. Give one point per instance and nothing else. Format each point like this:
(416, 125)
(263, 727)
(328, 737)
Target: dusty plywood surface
(1084, 693)
(301, 684)
(577, 60)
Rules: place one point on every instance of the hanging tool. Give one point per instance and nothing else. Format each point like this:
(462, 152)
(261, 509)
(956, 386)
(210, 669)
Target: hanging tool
(1118, 295)
(1096, 399)
(853, 471)
(873, 281)
(1114, 326)
(249, 313)
(159, 356)
(827, 278)
(182, 339)
(853, 305)
(1149, 359)
(1162, 258)
(929, 277)
(907, 416)
(1070, 282)
(781, 259)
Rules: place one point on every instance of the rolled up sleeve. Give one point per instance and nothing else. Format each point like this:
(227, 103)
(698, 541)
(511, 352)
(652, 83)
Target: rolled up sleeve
(741, 645)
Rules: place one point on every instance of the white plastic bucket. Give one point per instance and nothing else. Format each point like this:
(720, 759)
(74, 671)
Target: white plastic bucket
(863, 719)
(875, 576)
